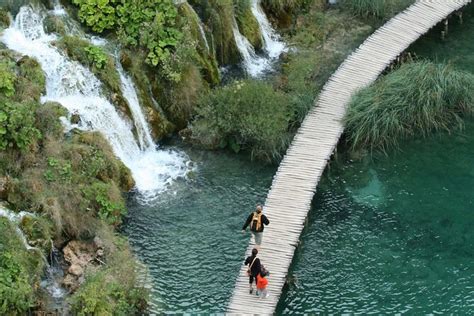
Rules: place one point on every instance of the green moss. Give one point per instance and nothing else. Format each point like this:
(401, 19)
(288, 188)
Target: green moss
(218, 15)
(4, 18)
(54, 24)
(248, 24)
(38, 232)
(93, 57)
(179, 99)
(20, 271)
(141, 73)
(31, 83)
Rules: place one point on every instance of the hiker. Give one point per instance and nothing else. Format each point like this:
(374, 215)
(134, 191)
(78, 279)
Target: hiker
(254, 268)
(256, 220)
(262, 283)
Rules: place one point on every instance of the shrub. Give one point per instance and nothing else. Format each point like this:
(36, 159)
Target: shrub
(380, 9)
(96, 56)
(244, 115)
(7, 79)
(107, 201)
(414, 100)
(17, 127)
(19, 272)
(99, 15)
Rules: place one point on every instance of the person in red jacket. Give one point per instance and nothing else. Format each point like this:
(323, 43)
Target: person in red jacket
(262, 283)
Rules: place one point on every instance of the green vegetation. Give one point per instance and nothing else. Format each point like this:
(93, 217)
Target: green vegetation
(148, 24)
(248, 24)
(414, 100)
(4, 18)
(323, 39)
(93, 57)
(380, 9)
(20, 271)
(111, 289)
(217, 15)
(247, 115)
(72, 183)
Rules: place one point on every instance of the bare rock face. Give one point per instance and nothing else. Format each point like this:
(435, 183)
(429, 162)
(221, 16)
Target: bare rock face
(80, 255)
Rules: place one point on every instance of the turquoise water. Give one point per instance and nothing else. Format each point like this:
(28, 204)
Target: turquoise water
(391, 234)
(191, 241)
(458, 46)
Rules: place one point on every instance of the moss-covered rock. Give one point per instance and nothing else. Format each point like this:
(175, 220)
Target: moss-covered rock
(206, 55)
(218, 15)
(4, 18)
(248, 24)
(54, 24)
(141, 74)
(93, 57)
(20, 271)
(38, 232)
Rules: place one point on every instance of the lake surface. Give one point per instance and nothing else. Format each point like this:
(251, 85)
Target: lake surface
(389, 234)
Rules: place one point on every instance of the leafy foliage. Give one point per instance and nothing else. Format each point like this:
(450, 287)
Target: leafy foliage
(97, 56)
(99, 15)
(19, 271)
(109, 209)
(17, 125)
(7, 79)
(416, 99)
(244, 115)
(149, 24)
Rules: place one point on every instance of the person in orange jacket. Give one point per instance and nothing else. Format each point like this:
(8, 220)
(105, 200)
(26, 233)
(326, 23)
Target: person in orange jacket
(262, 283)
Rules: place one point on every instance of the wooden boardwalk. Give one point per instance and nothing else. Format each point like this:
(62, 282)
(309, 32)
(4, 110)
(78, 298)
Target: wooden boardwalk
(294, 184)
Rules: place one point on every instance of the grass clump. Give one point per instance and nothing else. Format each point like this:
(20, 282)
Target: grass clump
(379, 9)
(414, 100)
(245, 115)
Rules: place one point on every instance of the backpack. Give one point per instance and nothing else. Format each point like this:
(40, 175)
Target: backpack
(256, 222)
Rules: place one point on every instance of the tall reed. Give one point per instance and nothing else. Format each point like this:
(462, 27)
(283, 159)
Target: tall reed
(414, 100)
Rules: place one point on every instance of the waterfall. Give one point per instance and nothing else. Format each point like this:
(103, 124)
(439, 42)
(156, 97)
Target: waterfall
(272, 43)
(199, 24)
(16, 219)
(80, 92)
(253, 64)
(50, 283)
(129, 93)
(58, 9)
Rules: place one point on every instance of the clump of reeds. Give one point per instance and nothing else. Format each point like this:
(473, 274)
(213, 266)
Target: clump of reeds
(414, 100)
(381, 9)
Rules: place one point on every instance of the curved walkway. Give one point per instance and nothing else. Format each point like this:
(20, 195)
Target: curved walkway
(294, 184)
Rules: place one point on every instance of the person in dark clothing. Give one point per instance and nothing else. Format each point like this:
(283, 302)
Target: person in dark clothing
(256, 220)
(254, 268)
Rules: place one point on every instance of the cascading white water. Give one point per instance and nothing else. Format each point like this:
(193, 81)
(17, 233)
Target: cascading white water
(253, 64)
(80, 92)
(272, 43)
(50, 283)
